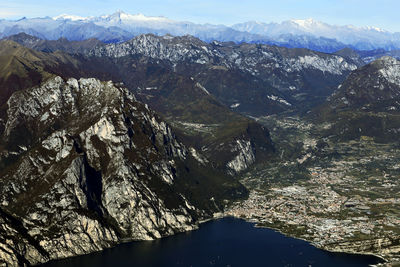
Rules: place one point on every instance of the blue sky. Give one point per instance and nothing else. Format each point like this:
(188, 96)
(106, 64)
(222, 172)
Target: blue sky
(378, 13)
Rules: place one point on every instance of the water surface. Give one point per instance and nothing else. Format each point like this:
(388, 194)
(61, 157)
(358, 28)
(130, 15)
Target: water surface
(223, 242)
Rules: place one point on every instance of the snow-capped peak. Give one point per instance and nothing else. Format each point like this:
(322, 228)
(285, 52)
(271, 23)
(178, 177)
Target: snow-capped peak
(305, 22)
(375, 29)
(69, 17)
(114, 16)
(142, 17)
(311, 25)
(119, 26)
(122, 16)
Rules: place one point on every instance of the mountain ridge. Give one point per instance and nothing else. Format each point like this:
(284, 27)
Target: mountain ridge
(80, 175)
(136, 140)
(365, 104)
(277, 78)
(190, 106)
(121, 26)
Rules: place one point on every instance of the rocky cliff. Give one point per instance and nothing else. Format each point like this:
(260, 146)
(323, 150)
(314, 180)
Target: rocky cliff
(255, 79)
(83, 166)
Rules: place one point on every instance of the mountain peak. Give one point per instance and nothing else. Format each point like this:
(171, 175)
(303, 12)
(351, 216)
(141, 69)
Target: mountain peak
(121, 16)
(122, 26)
(69, 17)
(388, 60)
(369, 85)
(305, 22)
(375, 29)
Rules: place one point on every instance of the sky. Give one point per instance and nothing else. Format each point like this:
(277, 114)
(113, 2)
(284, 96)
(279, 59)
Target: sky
(378, 13)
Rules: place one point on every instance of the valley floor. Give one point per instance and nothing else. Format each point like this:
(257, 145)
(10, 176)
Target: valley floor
(340, 196)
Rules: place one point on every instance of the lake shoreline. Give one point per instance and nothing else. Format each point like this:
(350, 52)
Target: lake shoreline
(257, 225)
(222, 215)
(220, 227)
(319, 247)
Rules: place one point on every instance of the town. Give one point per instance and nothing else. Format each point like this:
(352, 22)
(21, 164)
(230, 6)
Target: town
(349, 204)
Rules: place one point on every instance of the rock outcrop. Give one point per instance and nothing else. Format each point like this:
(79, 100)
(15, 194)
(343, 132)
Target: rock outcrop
(83, 166)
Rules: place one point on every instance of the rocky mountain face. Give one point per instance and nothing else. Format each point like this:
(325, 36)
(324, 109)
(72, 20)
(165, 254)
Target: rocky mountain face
(183, 102)
(203, 122)
(199, 119)
(182, 77)
(191, 83)
(252, 79)
(367, 103)
(85, 166)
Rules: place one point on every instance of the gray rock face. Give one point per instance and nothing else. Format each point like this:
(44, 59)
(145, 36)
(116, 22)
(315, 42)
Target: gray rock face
(244, 159)
(248, 57)
(250, 78)
(84, 166)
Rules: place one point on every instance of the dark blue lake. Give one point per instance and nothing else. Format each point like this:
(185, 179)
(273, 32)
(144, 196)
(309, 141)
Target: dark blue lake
(224, 242)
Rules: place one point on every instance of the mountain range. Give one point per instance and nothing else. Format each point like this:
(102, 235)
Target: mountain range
(121, 26)
(140, 139)
(84, 165)
(252, 79)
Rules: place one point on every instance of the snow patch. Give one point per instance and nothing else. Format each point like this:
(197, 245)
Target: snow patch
(278, 99)
(200, 158)
(202, 88)
(70, 17)
(391, 71)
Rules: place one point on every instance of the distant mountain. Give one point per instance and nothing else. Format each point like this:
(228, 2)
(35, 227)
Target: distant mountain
(370, 86)
(363, 57)
(366, 38)
(117, 27)
(253, 79)
(121, 26)
(367, 103)
(371, 55)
